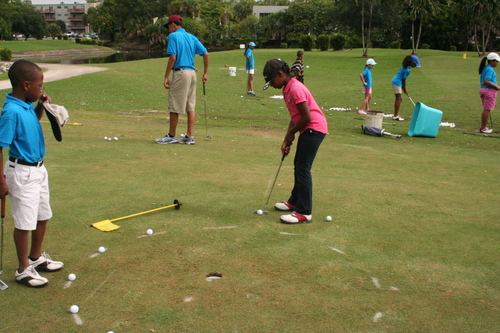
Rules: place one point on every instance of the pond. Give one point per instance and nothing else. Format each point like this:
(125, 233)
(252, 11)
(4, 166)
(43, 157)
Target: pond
(115, 57)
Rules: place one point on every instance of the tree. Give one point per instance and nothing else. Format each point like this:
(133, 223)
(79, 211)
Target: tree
(419, 9)
(27, 21)
(54, 30)
(484, 14)
(62, 25)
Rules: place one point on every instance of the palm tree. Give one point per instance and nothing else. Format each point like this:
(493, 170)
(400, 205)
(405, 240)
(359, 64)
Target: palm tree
(484, 14)
(419, 9)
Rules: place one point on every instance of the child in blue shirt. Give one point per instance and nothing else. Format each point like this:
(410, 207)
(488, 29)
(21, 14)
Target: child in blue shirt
(489, 88)
(21, 132)
(366, 79)
(399, 82)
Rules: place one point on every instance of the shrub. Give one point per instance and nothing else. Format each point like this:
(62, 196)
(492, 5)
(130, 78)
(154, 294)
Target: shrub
(78, 40)
(284, 45)
(5, 55)
(323, 42)
(65, 37)
(338, 42)
(307, 42)
(425, 46)
(453, 48)
(395, 45)
(59, 37)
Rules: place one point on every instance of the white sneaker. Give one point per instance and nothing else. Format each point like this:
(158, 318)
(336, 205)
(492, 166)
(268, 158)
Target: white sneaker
(45, 263)
(398, 118)
(485, 130)
(31, 278)
(362, 112)
(295, 218)
(284, 206)
(187, 140)
(167, 139)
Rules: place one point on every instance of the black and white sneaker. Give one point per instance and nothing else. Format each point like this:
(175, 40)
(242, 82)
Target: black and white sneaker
(31, 278)
(45, 263)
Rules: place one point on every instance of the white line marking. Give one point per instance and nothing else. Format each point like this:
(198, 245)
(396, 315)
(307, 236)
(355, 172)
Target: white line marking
(156, 233)
(77, 319)
(67, 285)
(288, 233)
(376, 283)
(99, 286)
(377, 316)
(94, 255)
(228, 227)
(334, 249)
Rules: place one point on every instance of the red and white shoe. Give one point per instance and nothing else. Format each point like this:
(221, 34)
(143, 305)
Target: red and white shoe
(295, 218)
(284, 206)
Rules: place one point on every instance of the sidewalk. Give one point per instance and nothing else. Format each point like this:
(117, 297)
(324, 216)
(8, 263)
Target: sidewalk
(58, 72)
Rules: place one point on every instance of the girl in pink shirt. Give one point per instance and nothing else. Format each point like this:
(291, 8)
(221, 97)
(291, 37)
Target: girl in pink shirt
(307, 119)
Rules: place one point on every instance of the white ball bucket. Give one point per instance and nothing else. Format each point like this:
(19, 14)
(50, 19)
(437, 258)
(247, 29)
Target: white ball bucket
(374, 119)
(232, 71)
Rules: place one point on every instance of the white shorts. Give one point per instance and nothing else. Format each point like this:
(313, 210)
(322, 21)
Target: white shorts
(28, 194)
(251, 71)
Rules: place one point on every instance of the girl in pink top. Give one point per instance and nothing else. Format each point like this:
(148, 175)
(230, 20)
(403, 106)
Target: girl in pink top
(307, 119)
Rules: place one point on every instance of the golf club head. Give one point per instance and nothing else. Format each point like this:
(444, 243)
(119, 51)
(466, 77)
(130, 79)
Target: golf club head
(178, 203)
(3, 285)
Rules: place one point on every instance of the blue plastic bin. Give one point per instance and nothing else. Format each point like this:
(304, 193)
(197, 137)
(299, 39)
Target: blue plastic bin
(425, 121)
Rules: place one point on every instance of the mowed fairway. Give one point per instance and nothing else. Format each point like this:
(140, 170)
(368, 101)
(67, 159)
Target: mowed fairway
(412, 245)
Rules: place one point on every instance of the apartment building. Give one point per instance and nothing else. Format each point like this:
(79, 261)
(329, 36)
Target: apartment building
(71, 14)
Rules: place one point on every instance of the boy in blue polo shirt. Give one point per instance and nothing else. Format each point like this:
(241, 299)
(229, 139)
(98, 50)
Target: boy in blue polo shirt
(20, 131)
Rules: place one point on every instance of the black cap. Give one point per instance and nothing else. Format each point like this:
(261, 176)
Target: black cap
(272, 68)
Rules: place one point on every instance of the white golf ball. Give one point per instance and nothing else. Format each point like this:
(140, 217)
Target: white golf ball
(259, 212)
(72, 277)
(109, 139)
(149, 231)
(102, 249)
(116, 138)
(328, 218)
(307, 66)
(105, 138)
(74, 309)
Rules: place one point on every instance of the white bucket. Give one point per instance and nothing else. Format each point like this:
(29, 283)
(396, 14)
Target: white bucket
(374, 119)
(232, 71)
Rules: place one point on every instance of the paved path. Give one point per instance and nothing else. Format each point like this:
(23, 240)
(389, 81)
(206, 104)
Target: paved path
(56, 72)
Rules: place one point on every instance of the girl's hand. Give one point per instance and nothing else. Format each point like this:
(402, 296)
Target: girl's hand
(285, 148)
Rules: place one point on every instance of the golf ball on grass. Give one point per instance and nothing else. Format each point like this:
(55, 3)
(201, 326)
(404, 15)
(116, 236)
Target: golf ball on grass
(105, 138)
(72, 277)
(149, 231)
(259, 212)
(328, 218)
(116, 139)
(102, 249)
(74, 309)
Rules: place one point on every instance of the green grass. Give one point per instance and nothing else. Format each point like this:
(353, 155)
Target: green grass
(418, 214)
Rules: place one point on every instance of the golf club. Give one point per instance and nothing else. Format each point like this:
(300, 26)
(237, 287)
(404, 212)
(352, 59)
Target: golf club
(411, 99)
(3, 285)
(491, 121)
(205, 99)
(484, 134)
(265, 211)
(373, 131)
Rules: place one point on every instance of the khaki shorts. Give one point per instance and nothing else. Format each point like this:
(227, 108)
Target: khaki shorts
(182, 92)
(397, 90)
(28, 194)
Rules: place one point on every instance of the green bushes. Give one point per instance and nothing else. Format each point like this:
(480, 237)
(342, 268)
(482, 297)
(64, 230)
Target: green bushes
(323, 42)
(395, 45)
(284, 45)
(307, 42)
(5, 55)
(338, 41)
(425, 46)
(453, 48)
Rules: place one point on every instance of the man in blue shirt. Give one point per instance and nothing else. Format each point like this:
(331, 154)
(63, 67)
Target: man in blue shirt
(181, 50)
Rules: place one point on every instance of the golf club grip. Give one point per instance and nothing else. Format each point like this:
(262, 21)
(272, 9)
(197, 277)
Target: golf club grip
(204, 88)
(3, 206)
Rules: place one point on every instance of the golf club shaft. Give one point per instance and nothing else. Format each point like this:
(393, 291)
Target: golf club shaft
(149, 211)
(411, 99)
(2, 227)
(274, 182)
(398, 136)
(491, 121)
(205, 100)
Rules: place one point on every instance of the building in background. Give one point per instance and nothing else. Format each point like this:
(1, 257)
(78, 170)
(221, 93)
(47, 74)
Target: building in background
(261, 11)
(70, 14)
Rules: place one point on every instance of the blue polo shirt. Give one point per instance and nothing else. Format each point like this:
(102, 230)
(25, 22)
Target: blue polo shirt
(184, 46)
(367, 76)
(20, 130)
(401, 75)
(489, 74)
(250, 63)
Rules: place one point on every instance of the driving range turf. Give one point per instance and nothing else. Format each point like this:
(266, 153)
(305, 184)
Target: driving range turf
(412, 245)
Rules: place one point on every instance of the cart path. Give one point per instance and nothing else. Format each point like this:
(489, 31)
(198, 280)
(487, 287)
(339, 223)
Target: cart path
(56, 72)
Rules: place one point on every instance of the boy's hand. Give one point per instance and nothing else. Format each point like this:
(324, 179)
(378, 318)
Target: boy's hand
(45, 99)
